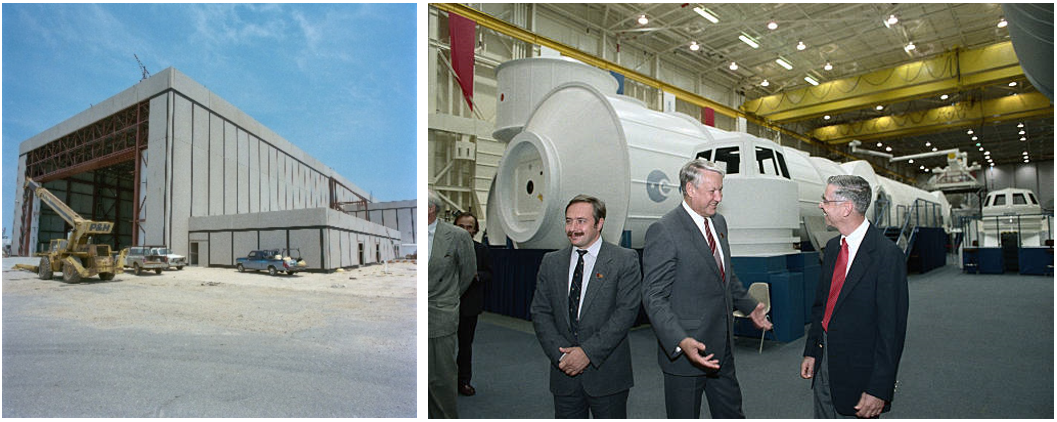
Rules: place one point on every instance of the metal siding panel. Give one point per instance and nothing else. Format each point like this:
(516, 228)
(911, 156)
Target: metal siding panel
(273, 239)
(220, 249)
(266, 193)
(243, 172)
(244, 243)
(281, 178)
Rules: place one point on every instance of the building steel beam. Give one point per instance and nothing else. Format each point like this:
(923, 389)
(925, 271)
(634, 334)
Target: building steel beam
(955, 71)
(959, 115)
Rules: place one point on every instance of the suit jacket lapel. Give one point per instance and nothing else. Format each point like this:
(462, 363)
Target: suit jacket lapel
(697, 240)
(561, 286)
(595, 284)
(863, 260)
(720, 225)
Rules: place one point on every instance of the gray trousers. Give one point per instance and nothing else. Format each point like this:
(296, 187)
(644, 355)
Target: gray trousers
(576, 406)
(824, 408)
(682, 395)
(443, 373)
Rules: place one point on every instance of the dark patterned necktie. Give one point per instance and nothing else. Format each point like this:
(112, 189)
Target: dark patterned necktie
(574, 292)
(715, 254)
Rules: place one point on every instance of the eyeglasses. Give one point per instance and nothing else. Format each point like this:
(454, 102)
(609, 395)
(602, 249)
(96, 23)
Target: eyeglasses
(826, 201)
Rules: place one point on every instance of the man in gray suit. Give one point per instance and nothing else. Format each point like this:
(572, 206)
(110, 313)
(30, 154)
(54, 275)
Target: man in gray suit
(690, 292)
(587, 297)
(452, 266)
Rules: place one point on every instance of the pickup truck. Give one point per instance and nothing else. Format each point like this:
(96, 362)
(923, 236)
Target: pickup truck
(143, 258)
(174, 260)
(273, 260)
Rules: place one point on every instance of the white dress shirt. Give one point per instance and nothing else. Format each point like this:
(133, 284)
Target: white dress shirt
(854, 241)
(589, 265)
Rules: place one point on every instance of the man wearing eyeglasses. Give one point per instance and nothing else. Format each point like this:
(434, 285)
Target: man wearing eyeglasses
(859, 319)
(587, 297)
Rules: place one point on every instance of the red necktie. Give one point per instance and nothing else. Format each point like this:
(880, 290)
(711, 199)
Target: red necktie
(837, 282)
(712, 246)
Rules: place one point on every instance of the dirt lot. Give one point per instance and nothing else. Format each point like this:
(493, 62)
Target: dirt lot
(297, 324)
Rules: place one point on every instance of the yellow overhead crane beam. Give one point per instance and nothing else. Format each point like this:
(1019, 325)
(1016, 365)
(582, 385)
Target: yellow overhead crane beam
(950, 72)
(959, 115)
(521, 34)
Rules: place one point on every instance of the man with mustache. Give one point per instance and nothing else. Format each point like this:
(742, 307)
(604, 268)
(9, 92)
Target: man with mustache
(859, 319)
(587, 297)
(690, 292)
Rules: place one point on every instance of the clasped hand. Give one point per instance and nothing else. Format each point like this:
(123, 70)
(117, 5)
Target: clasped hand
(574, 362)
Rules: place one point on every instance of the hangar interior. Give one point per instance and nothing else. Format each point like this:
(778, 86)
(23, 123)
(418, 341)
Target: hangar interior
(166, 151)
(915, 94)
(900, 78)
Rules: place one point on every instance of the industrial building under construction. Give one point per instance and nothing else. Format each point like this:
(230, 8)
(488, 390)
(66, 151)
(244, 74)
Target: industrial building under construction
(172, 163)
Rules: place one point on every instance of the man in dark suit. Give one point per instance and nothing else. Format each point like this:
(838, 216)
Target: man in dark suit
(859, 319)
(452, 265)
(471, 304)
(690, 292)
(587, 297)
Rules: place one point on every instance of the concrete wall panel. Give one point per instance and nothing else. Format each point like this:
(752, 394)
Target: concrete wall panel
(242, 169)
(307, 240)
(231, 181)
(180, 199)
(220, 249)
(262, 166)
(254, 174)
(216, 165)
(199, 169)
(273, 239)
(280, 175)
(244, 243)
(155, 176)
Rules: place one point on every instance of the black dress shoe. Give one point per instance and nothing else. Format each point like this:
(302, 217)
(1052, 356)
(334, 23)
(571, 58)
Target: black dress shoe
(466, 390)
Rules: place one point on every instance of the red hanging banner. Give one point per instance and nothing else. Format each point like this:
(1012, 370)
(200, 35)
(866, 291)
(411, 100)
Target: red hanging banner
(708, 116)
(462, 33)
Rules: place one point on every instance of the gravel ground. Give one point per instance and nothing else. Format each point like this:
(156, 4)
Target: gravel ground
(211, 342)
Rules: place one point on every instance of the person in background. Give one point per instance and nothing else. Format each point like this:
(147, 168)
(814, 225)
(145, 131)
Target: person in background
(471, 304)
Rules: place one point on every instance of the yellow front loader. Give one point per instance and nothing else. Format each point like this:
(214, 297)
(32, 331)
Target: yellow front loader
(76, 257)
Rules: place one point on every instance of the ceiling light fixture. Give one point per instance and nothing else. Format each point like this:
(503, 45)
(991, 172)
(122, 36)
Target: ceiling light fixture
(784, 63)
(934, 149)
(926, 170)
(1023, 138)
(921, 167)
(969, 132)
(928, 144)
(1014, 83)
(889, 149)
(694, 46)
(911, 161)
(772, 25)
(977, 144)
(733, 66)
(828, 66)
(643, 20)
(764, 83)
(879, 144)
(879, 108)
(800, 46)
(811, 80)
(1002, 23)
(981, 148)
(705, 13)
(1025, 153)
(910, 46)
(944, 97)
(975, 138)
(892, 20)
(748, 40)
(1020, 124)
(1022, 132)
(826, 117)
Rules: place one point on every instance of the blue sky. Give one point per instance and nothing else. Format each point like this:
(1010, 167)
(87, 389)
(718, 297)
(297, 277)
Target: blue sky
(336, 80)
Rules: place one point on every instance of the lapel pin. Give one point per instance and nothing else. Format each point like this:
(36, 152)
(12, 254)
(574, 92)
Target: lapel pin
(721, 235)
(599, 275)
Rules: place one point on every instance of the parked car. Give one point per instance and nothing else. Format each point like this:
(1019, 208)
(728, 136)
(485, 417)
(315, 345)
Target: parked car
(173, 260)
(143, 258)
(272, 260)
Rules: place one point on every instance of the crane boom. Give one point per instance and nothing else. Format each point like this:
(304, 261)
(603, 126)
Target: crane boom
(81, 226)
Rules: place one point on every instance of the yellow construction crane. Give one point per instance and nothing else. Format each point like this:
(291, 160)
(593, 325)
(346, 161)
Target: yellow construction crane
(76, 257)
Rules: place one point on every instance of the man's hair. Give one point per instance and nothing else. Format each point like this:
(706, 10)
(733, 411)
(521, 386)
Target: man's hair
(691, 172)
(852, 188)
(434, 201)
(476, 226)
(598, 207)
